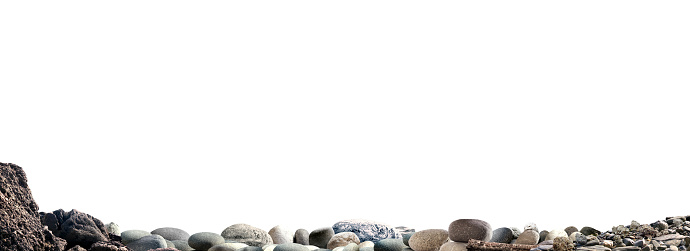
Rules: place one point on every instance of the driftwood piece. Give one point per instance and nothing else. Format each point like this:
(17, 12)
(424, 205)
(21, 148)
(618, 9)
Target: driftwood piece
(477, 245)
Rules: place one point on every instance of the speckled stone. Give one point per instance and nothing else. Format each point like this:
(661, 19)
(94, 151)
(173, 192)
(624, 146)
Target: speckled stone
(463, 230)
(429, 240)
(342, 239)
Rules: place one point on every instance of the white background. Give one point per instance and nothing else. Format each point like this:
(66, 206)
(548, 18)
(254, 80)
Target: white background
(203, 114)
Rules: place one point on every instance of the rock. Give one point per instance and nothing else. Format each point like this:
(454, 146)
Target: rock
(280, 235)
(79, 228)
(171, 233)
(628, 242)
(366, 230)
(290, 247)
(76, 248)
(232, 246)
(454, 246)
(609, 244)
(108, 246)
(429, 240)
(182, 245)
(573, 236)
(205, 240)
(268, 247)
(338, 249)
(589, 231)
(593, 248)
(133, 235)
(554, 234)
(531, 226)
(370, 244)
(542, 235)
(660, 225)
(351, 247)
(563, 244)
(302, 237)
(516, 232)
(389, 245)
(502, 235)
(113, 228)
(401, 230)
(162, 249)
(634, 225)
(570, 230)
(640, 243)
(463, 230)
(21, 227)
(250, 248)
(632, 248)
(580, 239)
(406, 238)
(320, 237)
(148, 242)
(362, 249)
(247, 234)
(342, 239)
(529, 237)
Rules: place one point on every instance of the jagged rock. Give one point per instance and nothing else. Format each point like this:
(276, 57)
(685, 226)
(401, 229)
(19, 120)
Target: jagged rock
(82, 229)
(563, 244)
(247, 234)
(21, 227)
(366, 230)
(108, 246)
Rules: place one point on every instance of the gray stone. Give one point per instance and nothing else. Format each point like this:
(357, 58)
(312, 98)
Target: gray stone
(463, 230)
(250, 248)
(454, 246)
(406, 238)
(570, 230)
(320, 237)
(171, 233)
(247, 234)
(631, 248)
(401, 230)
(232, 246)
(133, 235)
(302, 237)
(628, 242)
(281, 235)
(516, 232)
(389, 245)
(182, 245)
(148, 242)
(531, 226)
(366, 230)
(563, 244)
(290, 247)
(529, 237)
(640, 243)
(593, 248)
(82, 229)
(367, 244)
(342, 239)
(553, 234)
(205, 240)
(113, 228)
(502, 235)
(351, 247)
(429, 240)
(589, 231)
(542, 235)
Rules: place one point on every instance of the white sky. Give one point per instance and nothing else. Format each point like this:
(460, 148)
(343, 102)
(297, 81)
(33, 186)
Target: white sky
(203, 114)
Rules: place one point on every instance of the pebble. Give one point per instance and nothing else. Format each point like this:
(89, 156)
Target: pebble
(364, 249)
(205, 240)
(366, 230)
(593, 248)
(113, 228)
(367, 244)
(171, 233)
(281, 235)
(234, 246)
(570, 230)
(351, 247)
(632, 248)
(406, 238)
(589, 231)
(463, 230)
(528, 237)
(290, 247)
(454, 246)
(301, 237)
(148, 242)
(553, 234)
(516, 232)
(429, 240)
(342, 239)
(502, 235)
(542, 235)
(247, 234)
(133, 235)
(563, 244)
(182, 245)
(251, 248)
(320, 237)
(531, 226)
(389, 245)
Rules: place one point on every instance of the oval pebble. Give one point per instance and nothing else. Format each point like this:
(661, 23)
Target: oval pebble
(133, 235)
(148, 242)
(429, 240)
(454, 246)
(389, 245)
(290, 247)
(463, 230)
(320, 237)
(171, 233)
(247, 234)
(232, 246)
(342, 239)
(205, 240)
(182, 245)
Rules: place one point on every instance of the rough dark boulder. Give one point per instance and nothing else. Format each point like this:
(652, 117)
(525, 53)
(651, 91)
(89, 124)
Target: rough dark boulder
(20, 225)
(76, 227)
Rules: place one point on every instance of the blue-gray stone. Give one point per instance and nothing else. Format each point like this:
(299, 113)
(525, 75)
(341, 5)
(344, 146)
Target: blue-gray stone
(502, 235)
(320, 237)
(171, 233)
(290, 247)
(133, 235)
(182, 245)
(205, 240)
(389, 245)
(148, 242)
(366, 230)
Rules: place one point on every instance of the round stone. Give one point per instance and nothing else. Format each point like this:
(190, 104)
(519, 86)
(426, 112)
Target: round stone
(570, 230)
(553, 234)
(321, 236)
(573, 236)
(516, 232)
(250, 248)
(182, 245)
(366, 230)
(389, 245)
(311, 247)
(351, 247)
(301, 236)
(342, 239)
(528, 237)
(454, 246)
(406, 238)
(171, 233)
(364, 249)
(247, 234)
(542, 235)
(463, 230)
(589, 231)
(133, 235)
(367, 244)
(148, 242)
(290, 247)
(531, 226)
(280, 235)
(429, 240)
(205, 240)
(502, 235)
(232, 246)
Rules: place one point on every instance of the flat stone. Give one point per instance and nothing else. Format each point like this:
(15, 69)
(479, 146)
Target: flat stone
(247, 234)
(593, 248)
(630, 248)
(171, 233)
(231, 246)
(250, 248)
(366, 230)
(205, 240)
(133, 235)
(389, 245)
(463, 230)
